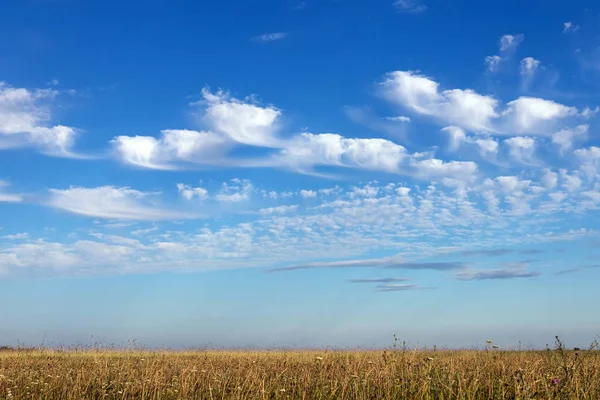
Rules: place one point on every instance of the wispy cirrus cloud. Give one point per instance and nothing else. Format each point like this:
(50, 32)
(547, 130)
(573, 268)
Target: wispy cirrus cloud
(499, 252)
(269, 37)
(410, 6)
(6, 196)
(402, 287)
(121, 203)
(470, 274)
(375, 263)
(378, 280)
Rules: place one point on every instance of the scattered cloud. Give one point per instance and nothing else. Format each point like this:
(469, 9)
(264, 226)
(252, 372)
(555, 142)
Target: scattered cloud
(8, 197)
(308, 194)
(492, 63)
(510, 43)
(469, 110)
(529, 66)
(16, 236)
(25, 117)
(565, 138)
(234, 192)
(507, 46)
(569, 27)
(410, 6)
(521, 149)
(279, 210)
(189, 193)
(270, 37)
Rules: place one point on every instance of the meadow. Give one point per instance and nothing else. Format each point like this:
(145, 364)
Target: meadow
(396, 373)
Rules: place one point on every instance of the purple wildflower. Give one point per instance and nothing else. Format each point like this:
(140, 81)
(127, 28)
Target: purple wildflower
(555, 382)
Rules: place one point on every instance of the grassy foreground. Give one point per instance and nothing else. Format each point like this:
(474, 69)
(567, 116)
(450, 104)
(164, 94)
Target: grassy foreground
(391, 374)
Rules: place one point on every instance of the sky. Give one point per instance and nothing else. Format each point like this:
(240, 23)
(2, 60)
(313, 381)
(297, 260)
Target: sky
(299, 173)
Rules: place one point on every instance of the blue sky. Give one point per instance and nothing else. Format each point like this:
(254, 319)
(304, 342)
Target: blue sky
(299, 173)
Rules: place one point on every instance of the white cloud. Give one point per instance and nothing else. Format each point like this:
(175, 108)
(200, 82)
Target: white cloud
(328, 149)
(521, 148)
(350, 223)
(590, 112)
(529, 66)
(278, 210)
(110, 202)
(308, 194)
(16, 236)
(456, 136)
(24, 119)
(365, 191)
(398, 119)
(433, 168)
(512, 184)
(549, 179)
(188, 192)
(242, 122)
(492, 63)
(487, 146)
(534, 115)
(472, 111)
(8, 197)
(236, 191)
(510, 43)
(412, 6)
(564, 138)
(175, 146)
(569, 27)
(418, 93)
(571, 182)
(270, 37)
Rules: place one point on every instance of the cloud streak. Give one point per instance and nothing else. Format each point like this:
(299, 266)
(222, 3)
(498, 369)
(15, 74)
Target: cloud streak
(402, 288)
(378, 280)
(388, 263)
(119, 203)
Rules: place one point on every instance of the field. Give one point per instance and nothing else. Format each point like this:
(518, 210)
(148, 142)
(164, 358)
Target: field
(398, 373)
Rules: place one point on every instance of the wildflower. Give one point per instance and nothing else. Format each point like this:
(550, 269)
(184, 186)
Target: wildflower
(488, 341)
(555, 382)
(495, 347)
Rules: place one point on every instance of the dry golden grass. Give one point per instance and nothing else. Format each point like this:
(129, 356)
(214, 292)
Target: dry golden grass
(392, 374)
